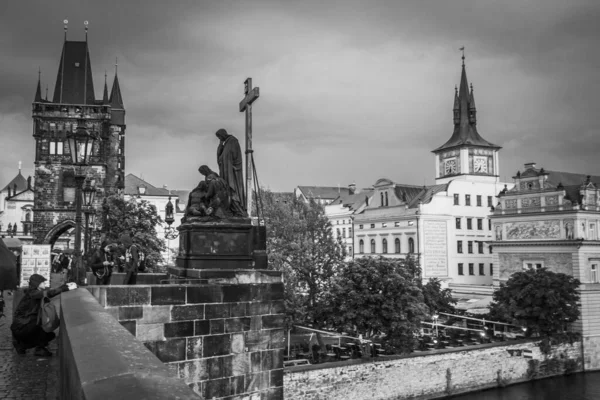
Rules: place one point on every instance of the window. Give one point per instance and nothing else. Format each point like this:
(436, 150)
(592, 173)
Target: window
(460, 269)
(471, 269)
(491, 269)
(469, 223)
(56, 147)
(490, 201)
(480, 247)
(360, 226)
(383, 225)
(396, 224)
(411, 245)
(489, 224)
(458, 223)
(361, 246)
(594, 273)
(478, 200)
(350, 251)
(533, 264)
(338, 232)
(350, 232)
(470, 246)
(397, 246)
(456, 199)
(372, 245)
(459, 246)
(382, 201)
(384, 246)
(592, 235)
(372, 226)
(490, 249)
(467, 199)
(337, 222)
(343, 232)
(386, 199)
(481, 267)
(480, 224)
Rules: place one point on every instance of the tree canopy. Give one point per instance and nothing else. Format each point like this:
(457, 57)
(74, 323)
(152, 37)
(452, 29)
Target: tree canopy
(379, 296)
(543, 301)
(139, 218)
(436, 298)
(300, 243)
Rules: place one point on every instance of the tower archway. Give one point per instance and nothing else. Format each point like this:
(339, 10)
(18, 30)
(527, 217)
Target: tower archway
(58, 230)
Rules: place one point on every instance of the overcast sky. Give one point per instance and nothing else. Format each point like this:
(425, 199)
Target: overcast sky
(349, 91)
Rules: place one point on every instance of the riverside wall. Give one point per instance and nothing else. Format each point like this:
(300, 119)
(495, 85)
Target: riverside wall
(431, 375)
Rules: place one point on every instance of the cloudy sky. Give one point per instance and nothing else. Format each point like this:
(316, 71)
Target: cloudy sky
(351, 91)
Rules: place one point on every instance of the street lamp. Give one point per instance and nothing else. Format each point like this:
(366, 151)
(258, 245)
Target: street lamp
(170, 232)
(435, 319)
(81, 143)
(89, 192)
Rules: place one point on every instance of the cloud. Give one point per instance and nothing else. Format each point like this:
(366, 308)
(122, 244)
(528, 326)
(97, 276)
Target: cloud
(350, 90)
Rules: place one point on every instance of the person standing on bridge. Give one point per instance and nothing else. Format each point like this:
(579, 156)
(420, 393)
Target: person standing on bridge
(25, 329)
(131, 259)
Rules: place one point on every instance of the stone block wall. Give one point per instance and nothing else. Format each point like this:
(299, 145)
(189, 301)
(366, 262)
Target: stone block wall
(429, 376)
(226, 341)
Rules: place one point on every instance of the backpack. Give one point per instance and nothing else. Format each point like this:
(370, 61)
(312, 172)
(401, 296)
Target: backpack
(48, 317)
(141, 264)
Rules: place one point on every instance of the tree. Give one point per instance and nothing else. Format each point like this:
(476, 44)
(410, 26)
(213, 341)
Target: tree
(300, 243)
(379, 296)
(543, 301)
(139, 218)
(436, 298)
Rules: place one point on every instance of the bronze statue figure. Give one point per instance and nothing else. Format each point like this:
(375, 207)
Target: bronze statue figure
(231, 170)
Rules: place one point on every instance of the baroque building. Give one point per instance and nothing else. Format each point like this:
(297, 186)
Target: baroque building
(16, 208)
(446, 225)
(551, 219)
(74, 102)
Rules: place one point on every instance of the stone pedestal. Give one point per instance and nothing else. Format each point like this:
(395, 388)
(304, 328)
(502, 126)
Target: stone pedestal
(226, 245)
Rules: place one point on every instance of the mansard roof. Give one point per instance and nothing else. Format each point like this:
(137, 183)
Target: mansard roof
(323, 192)
(132, 183)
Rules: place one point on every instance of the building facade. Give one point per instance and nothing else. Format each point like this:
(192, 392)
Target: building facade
(340, 212)
(74, 102)
(446, 225)
(16, 209)
(551, 219)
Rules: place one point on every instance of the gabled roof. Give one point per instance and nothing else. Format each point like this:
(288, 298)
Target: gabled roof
(18, 180)
(132, 183)
(352, 201)
(407, 192)
(427, 194)
(74, 82)
(569, 178)
(465, 129)
(323, 192)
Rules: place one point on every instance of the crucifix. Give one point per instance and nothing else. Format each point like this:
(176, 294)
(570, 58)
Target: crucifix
(251, 94)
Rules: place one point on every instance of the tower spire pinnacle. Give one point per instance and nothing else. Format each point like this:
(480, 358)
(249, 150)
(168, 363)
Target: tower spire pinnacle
(85, 23)
(46, 92)
(66, 22)
(38, 91)
(105, 96)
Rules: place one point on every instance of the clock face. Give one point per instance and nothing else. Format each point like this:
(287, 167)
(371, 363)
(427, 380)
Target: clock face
(450, 166)
(480, 164)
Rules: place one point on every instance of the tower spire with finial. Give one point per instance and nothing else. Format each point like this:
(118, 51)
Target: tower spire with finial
(46, 92)
(38, 91)
(66, 22)
(105, 96)
(85, 23)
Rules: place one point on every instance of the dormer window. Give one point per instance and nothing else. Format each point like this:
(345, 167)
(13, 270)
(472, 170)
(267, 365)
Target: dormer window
(530, 186)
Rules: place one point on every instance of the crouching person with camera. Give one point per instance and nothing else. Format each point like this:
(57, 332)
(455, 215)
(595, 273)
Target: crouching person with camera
(35, 318)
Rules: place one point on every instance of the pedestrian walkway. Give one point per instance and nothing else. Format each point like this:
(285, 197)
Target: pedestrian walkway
(25, 377)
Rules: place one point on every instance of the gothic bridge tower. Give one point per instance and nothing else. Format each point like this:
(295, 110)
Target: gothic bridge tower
(74, 99)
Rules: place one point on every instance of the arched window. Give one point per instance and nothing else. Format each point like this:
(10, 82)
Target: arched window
(343, 232)
(382, 203)
(397, 245)
(28, 216)
(384, 246)
(361, 246)
(386, 199)
(372, 245)
(411, 245)
(338, 232)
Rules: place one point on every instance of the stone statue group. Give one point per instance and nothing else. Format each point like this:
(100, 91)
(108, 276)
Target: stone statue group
(220, 195)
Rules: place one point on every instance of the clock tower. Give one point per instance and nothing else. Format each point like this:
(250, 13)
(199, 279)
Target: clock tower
(466, 155)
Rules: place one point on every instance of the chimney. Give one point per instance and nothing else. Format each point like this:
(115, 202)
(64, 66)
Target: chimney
(529, 165)
(165, 187)
(352, 188)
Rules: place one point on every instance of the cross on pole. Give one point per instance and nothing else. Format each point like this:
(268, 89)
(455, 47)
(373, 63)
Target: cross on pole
(251, 94)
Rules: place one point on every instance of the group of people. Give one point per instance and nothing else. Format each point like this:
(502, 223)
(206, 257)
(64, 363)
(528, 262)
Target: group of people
(122, 256)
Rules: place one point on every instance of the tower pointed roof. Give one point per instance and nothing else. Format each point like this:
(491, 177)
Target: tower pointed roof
(105, 95)
(19, 181)
(465, 129)
(116, 100)
(38, 91)
(74, 81)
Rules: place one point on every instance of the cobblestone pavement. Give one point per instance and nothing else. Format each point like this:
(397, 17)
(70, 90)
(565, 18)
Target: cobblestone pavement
(24, 377)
